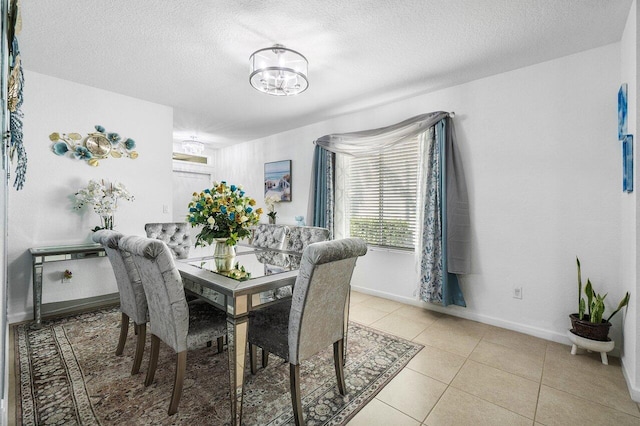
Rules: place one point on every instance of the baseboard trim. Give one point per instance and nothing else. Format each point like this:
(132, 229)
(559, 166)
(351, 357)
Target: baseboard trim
(633, 390)
(461, 312)
(66, 307)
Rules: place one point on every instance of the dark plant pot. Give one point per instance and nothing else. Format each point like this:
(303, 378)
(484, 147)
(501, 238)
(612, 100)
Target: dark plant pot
(589, 330)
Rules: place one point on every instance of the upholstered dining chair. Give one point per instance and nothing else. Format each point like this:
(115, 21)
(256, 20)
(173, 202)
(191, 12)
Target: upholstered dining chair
(270, 236)
(176, 235)
(297, 328)
(298, 239)
(133, 304)
(180, 325)
(301, 236)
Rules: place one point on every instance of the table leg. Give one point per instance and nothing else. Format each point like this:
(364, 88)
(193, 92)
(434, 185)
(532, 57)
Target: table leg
(237, 344)
(37, 291)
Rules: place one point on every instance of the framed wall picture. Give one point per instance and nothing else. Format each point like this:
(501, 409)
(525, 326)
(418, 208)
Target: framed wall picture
(277, 179)
(627, 163)
(622, 111)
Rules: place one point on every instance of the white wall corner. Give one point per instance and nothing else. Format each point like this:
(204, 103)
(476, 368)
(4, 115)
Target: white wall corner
(634, 390)
(4, 417)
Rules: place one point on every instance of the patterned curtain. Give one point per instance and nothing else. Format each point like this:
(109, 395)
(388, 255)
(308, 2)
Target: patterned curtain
(322, 189)
(430, 244)
(437, 285)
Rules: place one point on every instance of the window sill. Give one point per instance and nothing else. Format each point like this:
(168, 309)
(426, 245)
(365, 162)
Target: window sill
(390, 250)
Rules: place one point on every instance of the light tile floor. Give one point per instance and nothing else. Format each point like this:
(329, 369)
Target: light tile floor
(475, 374)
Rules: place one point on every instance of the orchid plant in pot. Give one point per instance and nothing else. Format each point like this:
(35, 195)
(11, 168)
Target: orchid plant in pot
(589, 322)
(103, 196)
(270, 201)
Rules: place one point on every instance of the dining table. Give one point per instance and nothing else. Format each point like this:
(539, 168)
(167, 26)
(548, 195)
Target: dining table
(255, 273)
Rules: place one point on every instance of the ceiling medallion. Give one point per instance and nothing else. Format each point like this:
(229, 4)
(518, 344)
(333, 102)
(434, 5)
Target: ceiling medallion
(278, 71)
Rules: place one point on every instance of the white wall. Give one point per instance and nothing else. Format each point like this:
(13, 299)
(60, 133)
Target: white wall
(629, 211)
(41, 214)
(187, 179)
(542, 161)
(244, 164)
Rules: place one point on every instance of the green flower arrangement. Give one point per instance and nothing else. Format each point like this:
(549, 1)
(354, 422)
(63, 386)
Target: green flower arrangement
(224, 211)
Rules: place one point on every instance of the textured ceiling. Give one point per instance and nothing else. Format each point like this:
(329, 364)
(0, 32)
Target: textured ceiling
(193, 55)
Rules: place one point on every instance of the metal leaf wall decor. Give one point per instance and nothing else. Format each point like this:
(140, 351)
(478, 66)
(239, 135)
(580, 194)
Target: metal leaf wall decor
(96, 146)
(14, 97)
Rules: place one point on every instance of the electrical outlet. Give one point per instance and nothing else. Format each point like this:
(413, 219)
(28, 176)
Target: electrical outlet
(517, 292)
(165, 208)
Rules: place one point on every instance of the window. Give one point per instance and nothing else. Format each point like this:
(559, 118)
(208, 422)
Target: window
(382, 190)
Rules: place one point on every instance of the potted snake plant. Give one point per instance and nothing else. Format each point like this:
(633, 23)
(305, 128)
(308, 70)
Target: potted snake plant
(589, 322)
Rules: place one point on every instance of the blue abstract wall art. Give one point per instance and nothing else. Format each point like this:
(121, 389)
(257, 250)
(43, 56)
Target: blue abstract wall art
(622, 111)
(627, 163)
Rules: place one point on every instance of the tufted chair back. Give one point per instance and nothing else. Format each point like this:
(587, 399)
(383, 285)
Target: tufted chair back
(176, 236)
(301, 326)
(270, 236)
(132, 298)
(168, 310)
(317, 315)
(301, 236)
(180, 325)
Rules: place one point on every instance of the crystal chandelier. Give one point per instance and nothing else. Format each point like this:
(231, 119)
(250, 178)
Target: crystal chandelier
(193, 146)
(278, 71)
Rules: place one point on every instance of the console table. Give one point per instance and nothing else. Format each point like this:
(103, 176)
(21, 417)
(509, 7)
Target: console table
(42, 255)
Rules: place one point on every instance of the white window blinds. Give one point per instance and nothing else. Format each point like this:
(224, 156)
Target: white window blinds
(382, 191)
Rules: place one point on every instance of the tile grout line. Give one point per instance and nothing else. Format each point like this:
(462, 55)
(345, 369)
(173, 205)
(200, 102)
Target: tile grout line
(448, 384)
(396, 409)
(503, 370)
(544, 362)
(468, 359)
(592, 402)
(486, 400)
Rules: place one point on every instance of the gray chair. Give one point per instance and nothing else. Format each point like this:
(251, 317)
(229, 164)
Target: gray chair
(180, 325)
(270, 236)
(296, 329)
(176, 235)
(301, 236)
(133, 303)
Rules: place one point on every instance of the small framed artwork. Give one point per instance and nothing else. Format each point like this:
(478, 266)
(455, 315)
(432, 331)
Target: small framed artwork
(622, 111)
(277, 179)
(627, 163)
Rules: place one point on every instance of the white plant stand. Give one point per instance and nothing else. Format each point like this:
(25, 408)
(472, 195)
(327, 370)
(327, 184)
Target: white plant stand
(591, 345)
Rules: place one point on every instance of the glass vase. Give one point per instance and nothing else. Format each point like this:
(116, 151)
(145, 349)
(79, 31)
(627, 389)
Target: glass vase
(107, 222)
(224, 255)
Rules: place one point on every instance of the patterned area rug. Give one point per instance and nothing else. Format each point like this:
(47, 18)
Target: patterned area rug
(67, 373)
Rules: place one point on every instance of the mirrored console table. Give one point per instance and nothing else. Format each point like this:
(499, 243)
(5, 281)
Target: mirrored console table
(42, 255)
